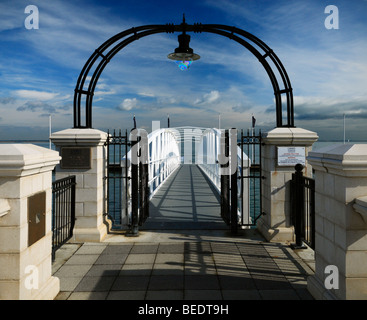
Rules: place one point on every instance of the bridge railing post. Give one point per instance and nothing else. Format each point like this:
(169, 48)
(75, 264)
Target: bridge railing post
(134, 199)
(234, 183)
(234, 210)
(224, 183)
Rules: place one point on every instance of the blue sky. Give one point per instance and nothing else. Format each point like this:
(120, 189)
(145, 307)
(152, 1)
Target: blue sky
(39, 67)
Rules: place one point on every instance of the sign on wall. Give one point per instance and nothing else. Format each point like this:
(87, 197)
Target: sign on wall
(290, 156)
(75, 158)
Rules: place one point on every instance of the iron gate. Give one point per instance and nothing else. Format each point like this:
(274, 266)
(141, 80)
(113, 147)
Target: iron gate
(117, 178)
(139, 160)
(63, 212)
(241, 190)
(302, 194)
(127, 196)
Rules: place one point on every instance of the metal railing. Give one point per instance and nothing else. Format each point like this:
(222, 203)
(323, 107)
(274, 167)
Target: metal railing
(209, 152)
(303, 208)
(63, 211)
(164, 157)
(138, 164)
(138, 173)
(116, 179)
(251, 175)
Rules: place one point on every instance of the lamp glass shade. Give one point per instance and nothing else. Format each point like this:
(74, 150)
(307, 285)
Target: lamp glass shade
(183, 65)
(183, 55)
(183, 60)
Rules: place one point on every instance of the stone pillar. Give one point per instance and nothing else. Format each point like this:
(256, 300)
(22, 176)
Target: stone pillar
(84, 155)
(275, 224)
(341, 221)
(26, 222)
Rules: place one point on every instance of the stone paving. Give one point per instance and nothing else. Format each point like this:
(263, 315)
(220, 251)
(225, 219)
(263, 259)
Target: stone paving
(211, 268)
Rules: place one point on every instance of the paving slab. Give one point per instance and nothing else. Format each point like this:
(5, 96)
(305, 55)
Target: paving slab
(126, 295)
(164, 295)
(133, 283)
(203, 295)
(200, 267)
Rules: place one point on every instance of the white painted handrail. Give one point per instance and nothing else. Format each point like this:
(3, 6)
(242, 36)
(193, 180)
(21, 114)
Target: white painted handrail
(208, 157)
(164, 157)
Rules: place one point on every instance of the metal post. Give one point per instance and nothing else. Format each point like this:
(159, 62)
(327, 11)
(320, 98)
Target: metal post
(144, 192)
(241, 176)
(126, 175)
(135, 199)
(299, 206)
(134, 229)
(234, 222)
(224, 182)
(107, 143)
(312, 212)
(72, 209)
(234, 186)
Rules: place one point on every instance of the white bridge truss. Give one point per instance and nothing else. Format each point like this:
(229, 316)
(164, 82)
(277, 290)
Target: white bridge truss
(168, 148)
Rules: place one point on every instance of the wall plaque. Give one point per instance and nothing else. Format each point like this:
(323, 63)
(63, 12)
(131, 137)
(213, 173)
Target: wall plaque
(36, 217)
(75, 158)
(290, 156)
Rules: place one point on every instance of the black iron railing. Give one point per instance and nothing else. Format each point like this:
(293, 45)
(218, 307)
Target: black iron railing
(250, 144)
(117, 177)
(241, 191)
(303, 208)
(127, 182)
(63, 211)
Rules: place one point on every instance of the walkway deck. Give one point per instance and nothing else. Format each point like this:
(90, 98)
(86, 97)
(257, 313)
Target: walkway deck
(187, 200)
(181, 265)
(183, 252)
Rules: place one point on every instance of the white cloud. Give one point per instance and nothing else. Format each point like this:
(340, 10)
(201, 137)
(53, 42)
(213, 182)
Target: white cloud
(208, 97)
(36, 95)
(128, 104)
(102, 93)
(146, 94)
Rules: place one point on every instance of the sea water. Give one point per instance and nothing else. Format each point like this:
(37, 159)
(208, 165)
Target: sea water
(254, 183)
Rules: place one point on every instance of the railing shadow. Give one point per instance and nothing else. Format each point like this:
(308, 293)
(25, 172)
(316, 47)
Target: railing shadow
(184, 270)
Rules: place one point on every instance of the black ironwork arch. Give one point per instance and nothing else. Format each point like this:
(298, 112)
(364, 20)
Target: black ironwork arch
(116, 43)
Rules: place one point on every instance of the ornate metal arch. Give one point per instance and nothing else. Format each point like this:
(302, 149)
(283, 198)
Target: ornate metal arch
(116, 43)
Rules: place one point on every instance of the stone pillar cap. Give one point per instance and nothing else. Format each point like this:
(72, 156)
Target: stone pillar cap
(290, 136)
(79, 136)
(24, 159)
(340, 157)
